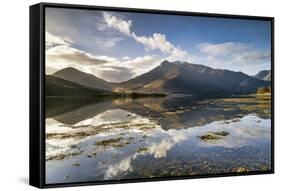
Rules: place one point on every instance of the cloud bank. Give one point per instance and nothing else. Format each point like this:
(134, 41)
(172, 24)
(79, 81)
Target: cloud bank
(157, 41)
(235, 53)
(61, 54)
(52, 40)
(234, 56)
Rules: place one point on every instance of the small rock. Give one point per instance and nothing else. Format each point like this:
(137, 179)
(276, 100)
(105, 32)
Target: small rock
(76, 164)
(242, 169)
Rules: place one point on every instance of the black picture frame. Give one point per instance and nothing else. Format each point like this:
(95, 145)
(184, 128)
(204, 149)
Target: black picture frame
(37, 93)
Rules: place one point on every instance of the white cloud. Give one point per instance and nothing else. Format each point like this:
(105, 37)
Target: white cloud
(113, 73)
(234, 53)
(123, 166)
(157, 41)
(234, 56)
(107, 68)
(222, 48)
(140, 65)
(252, 57)
(62, 56)
(107, 42)
(119, 70)
(119, 24)
(52, 40)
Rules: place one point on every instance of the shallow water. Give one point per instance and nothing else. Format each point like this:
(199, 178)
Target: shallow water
(90, 140)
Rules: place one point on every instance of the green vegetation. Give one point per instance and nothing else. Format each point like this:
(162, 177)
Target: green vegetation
(61, 156)
(264, 90)
(241, 170)
(135, 95)
(213, 135)
(254, 103)
(116, 142)
(143, 150)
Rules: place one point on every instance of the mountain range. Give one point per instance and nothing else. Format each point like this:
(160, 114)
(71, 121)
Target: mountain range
(264, 75)
(167, 78)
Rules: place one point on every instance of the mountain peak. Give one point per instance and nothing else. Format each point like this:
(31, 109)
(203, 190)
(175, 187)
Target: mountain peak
(184, 77)
(68, 69)
(88, 80)
(165, 62)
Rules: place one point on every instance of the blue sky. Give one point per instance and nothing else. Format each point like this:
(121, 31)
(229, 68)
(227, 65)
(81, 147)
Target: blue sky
(189, 31)
(117, 46)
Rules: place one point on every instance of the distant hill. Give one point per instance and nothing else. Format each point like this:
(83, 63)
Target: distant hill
(264, 75)
(183, 77)
(82, 78)
(60, 87)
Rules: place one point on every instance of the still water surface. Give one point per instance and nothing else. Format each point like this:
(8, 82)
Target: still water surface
(94, 140)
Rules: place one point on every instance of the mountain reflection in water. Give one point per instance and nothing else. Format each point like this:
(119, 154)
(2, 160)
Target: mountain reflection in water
(92, 140)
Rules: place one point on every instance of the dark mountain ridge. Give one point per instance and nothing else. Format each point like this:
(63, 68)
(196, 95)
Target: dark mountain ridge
(60, 87)
(82, 78)
(182, 77)
(173, 78)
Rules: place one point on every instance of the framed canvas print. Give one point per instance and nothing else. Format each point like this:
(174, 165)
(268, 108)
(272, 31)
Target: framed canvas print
(128, 95)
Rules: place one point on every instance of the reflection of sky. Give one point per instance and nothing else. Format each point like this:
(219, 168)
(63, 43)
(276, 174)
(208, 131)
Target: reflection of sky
(248, 130)
(242, 133)
(113, 122)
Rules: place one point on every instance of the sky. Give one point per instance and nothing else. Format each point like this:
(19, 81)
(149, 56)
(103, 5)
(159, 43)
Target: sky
(118, 46)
